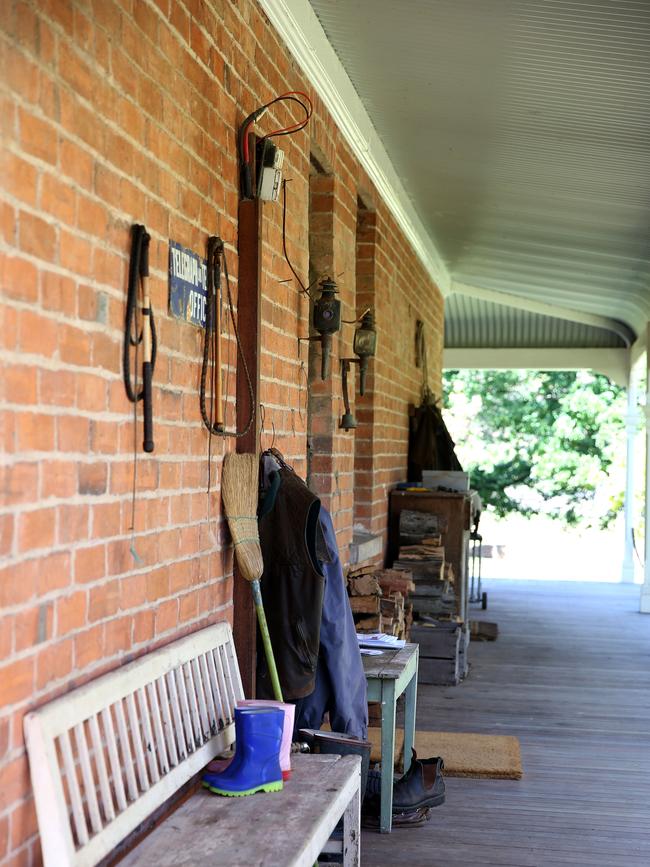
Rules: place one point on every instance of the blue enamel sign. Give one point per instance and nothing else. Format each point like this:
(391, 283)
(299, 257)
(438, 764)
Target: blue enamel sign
(188, 289)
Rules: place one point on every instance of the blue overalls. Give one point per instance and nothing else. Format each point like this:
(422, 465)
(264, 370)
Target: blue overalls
(340, 680)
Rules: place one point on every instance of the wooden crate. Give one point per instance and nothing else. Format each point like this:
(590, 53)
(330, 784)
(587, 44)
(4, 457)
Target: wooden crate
(443, 672)
(442, 641)
(443, 651)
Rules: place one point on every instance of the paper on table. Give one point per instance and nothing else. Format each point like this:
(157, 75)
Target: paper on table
(370, 651)
(379, 639)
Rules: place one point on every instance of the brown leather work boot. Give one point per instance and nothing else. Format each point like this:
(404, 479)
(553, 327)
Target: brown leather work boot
(421, 786)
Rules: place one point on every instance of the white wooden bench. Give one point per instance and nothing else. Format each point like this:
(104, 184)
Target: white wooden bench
(106, 759)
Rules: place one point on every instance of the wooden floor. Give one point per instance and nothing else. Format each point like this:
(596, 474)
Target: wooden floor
(570, 676)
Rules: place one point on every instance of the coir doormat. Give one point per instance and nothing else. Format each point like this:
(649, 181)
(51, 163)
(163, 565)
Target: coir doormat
(464, 754)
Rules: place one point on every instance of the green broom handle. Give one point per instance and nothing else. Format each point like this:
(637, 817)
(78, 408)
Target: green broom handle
(266, 639)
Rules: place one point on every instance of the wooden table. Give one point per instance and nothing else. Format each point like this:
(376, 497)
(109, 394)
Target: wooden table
(389, 675)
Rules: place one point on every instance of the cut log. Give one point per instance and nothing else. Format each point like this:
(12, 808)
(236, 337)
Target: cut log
(408, 621)
(364, 585)
(369, 624)
(391, 580)
(414, 525)
(363, 570)
(421, 552)
(393, 606)
(365, 604)
(431, 570)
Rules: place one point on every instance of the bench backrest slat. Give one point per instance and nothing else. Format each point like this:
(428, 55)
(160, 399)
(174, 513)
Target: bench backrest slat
(114, 759)
(99, 750)
(107, 755)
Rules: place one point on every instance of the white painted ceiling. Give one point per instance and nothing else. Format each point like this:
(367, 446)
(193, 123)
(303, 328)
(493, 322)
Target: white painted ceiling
(520, 130)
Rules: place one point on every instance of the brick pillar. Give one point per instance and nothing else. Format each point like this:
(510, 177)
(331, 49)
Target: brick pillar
(365, 510)
(330, 450)
(320, 413)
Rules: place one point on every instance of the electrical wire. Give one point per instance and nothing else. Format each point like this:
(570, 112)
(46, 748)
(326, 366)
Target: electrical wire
(358, 319)
(290, 96)
(244, 129)
(305, 289)
(302, 286)
(294, 127)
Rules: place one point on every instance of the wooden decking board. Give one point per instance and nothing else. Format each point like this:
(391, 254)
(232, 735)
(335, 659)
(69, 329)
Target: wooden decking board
(570, 676)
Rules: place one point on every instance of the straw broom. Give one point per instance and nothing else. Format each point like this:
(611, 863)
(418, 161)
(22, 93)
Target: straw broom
(239, 487)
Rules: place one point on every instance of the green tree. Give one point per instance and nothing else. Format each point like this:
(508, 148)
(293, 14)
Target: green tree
(540, 441)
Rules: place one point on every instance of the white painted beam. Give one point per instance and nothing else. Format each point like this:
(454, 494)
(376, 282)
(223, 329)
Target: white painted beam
(518, 302)
(300, 29)
(614, 363)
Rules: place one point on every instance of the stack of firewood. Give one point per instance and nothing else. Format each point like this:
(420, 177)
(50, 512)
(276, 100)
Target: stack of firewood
(422, 554)
(427, 557)
(379, 600)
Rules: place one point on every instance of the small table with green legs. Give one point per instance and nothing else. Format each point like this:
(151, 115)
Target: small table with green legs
(389, 675)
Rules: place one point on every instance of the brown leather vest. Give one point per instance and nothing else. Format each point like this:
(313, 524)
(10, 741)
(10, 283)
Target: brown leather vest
(292, 586)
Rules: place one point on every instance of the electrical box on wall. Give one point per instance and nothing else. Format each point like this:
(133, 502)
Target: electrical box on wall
(260, 166)
(270, 160)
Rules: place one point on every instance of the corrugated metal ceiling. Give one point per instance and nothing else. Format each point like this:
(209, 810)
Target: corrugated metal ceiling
(521, 132)
(470, 322)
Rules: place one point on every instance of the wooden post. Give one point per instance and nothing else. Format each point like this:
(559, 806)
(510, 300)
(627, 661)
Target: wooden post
(248, 318)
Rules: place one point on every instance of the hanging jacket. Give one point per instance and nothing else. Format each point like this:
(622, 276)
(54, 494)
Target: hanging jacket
(292, 584)
(341, 686)
(430, 445)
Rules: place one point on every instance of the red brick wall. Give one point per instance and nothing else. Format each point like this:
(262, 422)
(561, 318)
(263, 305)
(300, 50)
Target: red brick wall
(369, 498)
(121, 112)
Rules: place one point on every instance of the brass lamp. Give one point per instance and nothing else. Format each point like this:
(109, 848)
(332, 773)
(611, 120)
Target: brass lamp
(364, 346)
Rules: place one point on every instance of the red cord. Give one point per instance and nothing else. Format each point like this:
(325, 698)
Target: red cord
(295, 127)
(246, 157)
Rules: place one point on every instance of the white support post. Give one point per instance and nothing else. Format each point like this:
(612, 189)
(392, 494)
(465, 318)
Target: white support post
(644, 606)
(631, 428)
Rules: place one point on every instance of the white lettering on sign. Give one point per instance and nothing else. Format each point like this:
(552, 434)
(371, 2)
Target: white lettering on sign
(197, 306)
(188, 268)
(188, 284)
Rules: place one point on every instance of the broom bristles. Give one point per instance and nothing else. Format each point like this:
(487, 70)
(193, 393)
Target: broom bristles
(239, 491)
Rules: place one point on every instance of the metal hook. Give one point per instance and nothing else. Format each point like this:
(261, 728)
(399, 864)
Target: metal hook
(262, 418)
